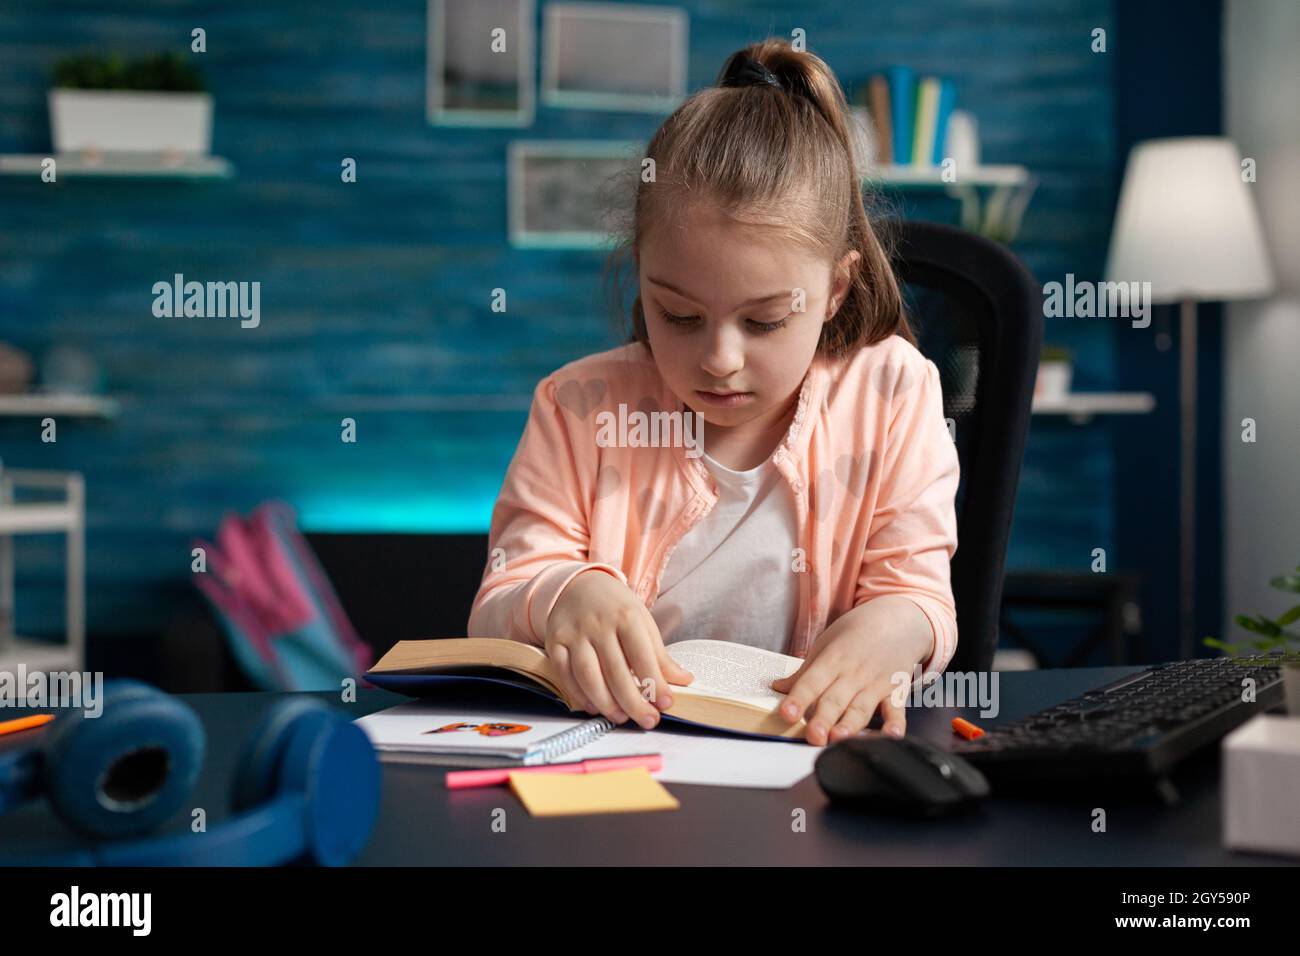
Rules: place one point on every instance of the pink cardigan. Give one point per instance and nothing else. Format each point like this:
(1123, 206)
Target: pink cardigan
(868, 456)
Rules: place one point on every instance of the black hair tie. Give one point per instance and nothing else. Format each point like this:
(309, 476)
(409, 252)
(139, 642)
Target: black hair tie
(749, 72)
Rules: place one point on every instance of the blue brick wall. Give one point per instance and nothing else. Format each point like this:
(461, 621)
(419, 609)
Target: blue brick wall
(381, 288)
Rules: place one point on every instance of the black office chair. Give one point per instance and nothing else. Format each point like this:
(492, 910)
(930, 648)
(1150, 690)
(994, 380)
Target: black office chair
(977, 314)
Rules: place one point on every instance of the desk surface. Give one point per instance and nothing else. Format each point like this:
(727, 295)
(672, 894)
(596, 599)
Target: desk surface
(422, 823)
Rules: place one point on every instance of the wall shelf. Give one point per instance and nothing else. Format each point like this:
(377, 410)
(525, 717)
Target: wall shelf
(1080, 407)
(915, 176)
(126, 165)
(997, 217)
(55, 403)
(38, 655)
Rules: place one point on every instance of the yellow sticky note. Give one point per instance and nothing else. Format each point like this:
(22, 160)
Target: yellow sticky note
(608, 791)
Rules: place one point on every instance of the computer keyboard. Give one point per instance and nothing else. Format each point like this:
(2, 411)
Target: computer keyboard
(1137, 728)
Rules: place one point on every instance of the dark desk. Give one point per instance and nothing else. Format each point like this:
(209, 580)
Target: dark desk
(422, 823)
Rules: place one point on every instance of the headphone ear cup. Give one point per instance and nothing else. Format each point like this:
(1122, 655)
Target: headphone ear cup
(255, 780)
(303, 746)
(332, 763)
(128, 770)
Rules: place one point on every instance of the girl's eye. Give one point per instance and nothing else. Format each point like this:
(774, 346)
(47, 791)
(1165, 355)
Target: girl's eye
(762, 328)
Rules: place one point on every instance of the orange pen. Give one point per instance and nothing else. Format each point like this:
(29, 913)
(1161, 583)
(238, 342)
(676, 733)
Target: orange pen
(25, 723)
(966, 728)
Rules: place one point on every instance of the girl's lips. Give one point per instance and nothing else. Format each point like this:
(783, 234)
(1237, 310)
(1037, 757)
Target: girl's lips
(725, 401)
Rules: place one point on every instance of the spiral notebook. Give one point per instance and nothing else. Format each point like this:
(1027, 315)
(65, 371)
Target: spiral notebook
(418, 732)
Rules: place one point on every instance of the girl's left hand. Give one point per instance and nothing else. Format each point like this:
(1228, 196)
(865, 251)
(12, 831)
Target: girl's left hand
(850, 672)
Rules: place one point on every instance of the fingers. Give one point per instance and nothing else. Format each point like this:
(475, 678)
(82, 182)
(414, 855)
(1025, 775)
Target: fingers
(590, 677)
(804, 686)
(894, 716)
(834, 708)
(664, 670)
(673, 672)
(639, 648)
(830, 706)
(568, 684)
(609, 673)
(855, 717)
(669, 670)
(618, 674)
(782, 685)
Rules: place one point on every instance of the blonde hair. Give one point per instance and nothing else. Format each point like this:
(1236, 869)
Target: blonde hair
(777, 156)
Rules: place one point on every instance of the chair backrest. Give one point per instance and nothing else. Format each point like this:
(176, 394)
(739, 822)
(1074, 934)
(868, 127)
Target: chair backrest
(977, 314)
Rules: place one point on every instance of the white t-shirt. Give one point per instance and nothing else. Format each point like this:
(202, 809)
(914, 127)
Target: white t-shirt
(730, 577)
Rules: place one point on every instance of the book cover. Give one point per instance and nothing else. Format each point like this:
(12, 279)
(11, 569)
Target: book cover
(947, 103)
(902, 114)
(927, 104)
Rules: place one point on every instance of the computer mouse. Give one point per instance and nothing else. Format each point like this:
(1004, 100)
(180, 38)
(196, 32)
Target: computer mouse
(904, 776)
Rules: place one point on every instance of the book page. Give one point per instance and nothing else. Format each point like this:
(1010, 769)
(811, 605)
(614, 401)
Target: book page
(734, 671)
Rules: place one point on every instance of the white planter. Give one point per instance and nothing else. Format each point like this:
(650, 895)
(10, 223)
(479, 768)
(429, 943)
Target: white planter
(130, 121)
(1291, 688)
(1053, 379)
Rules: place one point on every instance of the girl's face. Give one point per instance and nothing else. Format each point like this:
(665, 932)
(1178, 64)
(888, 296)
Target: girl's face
(733, 315)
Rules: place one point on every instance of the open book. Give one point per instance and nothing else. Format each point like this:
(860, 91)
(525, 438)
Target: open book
(731, 691)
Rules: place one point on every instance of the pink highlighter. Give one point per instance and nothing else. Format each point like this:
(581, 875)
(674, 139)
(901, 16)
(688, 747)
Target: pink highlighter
(465, 779)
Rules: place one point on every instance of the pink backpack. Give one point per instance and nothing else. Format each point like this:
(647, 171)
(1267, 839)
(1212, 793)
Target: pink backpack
(284, 622)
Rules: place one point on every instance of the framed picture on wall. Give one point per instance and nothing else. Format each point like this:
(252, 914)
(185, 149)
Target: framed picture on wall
(480, 62)
(614, 56)
(568, 194)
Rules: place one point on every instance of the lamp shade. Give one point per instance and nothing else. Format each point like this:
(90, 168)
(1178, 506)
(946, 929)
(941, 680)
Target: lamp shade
(1187, 223)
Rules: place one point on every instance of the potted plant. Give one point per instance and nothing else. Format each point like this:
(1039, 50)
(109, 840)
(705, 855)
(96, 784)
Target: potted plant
(1054, 372)
(153, 104)
(1272, 635)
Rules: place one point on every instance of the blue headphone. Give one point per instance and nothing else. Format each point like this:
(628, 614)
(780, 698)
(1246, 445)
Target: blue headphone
(306, 789)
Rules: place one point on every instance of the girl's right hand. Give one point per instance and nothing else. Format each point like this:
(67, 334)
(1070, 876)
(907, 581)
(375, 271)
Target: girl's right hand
(603, 645)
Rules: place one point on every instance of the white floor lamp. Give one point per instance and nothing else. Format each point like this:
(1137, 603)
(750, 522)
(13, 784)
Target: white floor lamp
(1187, 224)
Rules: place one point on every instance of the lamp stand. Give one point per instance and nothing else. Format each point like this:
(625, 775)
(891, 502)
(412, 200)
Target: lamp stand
(1187, 479)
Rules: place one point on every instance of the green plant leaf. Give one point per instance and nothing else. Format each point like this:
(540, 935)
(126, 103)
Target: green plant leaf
(1261, 625)
(1287, 582)
(166, 72)
(1238, 648)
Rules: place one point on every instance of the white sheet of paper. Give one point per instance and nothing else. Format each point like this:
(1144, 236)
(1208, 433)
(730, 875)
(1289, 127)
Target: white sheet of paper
(713, 760)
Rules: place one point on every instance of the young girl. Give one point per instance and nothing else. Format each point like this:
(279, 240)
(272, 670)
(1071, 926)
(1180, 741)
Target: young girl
(819, 520)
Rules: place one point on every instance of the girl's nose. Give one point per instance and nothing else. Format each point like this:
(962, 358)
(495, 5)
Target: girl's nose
(723, 357)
